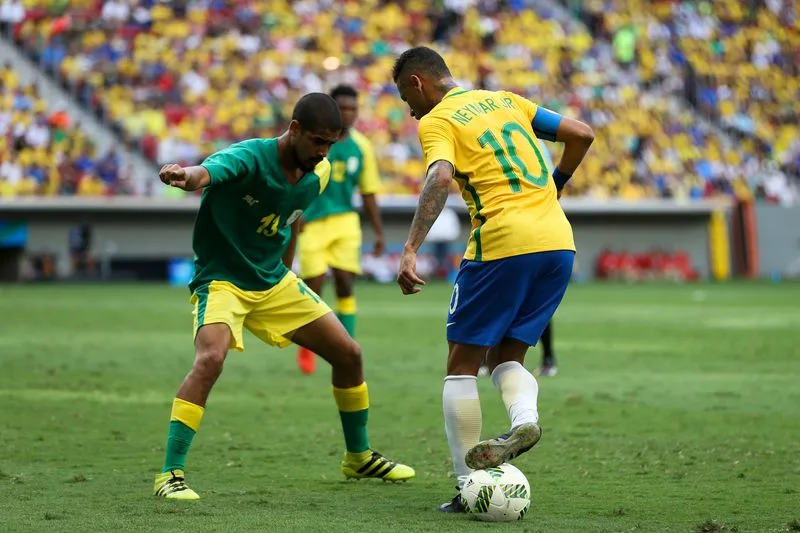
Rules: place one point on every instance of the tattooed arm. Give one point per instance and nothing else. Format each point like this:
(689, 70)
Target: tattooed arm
(431, 202)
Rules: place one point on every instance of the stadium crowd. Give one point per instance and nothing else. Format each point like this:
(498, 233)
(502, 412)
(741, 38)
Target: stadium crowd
(688, 100)
(43, 152)
(741, 65)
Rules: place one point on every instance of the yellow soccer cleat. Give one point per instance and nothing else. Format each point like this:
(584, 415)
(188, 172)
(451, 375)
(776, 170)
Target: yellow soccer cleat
(374, 465)
(172, 486)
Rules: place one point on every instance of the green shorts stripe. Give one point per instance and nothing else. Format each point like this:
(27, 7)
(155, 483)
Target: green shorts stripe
(202, 300)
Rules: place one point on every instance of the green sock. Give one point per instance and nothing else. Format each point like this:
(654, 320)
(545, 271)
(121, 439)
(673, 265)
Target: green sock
(184, 423)
(178, 443)
(346, 311)
(353, 404)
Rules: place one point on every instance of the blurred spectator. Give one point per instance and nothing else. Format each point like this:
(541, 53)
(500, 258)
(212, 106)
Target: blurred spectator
(12, 12)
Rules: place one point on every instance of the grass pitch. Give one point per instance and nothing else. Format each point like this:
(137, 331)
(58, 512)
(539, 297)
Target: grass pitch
(677, 408)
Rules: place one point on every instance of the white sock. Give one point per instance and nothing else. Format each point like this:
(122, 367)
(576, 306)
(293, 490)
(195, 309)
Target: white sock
(462, 419)
(519, 390)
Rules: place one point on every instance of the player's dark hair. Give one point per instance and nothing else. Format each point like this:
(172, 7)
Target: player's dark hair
(421, 59)
(317, 112)
(344, 90)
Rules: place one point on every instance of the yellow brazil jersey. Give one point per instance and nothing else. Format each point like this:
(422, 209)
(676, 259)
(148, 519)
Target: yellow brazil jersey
(500, 170)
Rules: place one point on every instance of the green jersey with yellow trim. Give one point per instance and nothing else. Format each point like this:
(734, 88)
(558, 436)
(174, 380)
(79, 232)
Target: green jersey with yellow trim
(243, 226)
(353, 164)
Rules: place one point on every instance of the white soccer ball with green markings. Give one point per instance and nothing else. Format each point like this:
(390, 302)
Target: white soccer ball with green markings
(500, 494)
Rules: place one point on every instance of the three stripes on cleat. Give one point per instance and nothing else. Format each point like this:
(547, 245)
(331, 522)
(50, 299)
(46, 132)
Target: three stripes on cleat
(377, 466)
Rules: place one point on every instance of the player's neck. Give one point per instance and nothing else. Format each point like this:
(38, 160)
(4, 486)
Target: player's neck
(286, 158)
(442, 87)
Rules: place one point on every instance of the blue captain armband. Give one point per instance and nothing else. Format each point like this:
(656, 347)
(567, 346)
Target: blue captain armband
(545, 124)
(561, 178)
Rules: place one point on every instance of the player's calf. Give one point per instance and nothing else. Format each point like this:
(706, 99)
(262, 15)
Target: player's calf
(347, 365)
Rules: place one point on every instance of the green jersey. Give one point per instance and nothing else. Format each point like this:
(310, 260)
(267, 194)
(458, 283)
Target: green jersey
(353, 164)
(243, 226)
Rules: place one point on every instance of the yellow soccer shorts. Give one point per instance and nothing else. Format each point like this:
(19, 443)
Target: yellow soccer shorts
(272, 315)
(330, 242)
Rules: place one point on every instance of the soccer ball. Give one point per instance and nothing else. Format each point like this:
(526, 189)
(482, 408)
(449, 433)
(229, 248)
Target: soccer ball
(499, 494)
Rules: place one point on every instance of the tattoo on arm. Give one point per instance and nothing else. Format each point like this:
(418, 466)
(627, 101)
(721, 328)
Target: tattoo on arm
(431, 202)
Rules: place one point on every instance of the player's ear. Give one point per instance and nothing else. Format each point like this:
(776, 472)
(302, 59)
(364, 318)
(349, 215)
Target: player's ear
(294, 129)
(416, 82)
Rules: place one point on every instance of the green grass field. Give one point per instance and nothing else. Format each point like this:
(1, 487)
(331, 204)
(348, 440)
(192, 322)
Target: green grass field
(677, 408)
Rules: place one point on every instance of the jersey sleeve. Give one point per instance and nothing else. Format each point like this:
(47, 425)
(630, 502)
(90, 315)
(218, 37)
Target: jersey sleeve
(370, 182)
(234, 162)
(438, 143)
(323, 172)
(543, 121)
(525, 105)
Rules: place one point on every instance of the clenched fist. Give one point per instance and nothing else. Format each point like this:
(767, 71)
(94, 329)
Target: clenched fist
(173, 175)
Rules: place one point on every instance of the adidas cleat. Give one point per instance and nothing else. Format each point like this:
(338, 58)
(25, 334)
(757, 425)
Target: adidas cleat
(546, 371)
(456, 505)
(378, 467)
(306, 360)
(172, 486)
(494, 452)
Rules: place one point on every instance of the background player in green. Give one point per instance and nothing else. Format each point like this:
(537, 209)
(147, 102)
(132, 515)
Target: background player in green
(253, 192)
(330, 237)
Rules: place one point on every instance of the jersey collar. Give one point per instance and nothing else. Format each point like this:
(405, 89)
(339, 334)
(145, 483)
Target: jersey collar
(453, 92)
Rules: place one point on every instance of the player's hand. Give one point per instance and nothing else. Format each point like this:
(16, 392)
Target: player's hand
(407, 276)
(379, 248)
(174, 175)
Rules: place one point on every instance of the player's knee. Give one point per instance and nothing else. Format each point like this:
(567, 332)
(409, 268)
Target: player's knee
(209, 360)
(350, 355)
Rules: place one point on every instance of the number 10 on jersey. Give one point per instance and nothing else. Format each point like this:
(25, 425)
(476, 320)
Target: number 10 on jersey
(508, 155)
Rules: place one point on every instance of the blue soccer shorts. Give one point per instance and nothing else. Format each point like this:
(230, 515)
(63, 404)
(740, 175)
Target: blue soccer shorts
(514, 297)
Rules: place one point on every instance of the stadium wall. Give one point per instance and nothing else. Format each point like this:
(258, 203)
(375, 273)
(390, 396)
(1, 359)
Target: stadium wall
(129, 231)
(778, 230)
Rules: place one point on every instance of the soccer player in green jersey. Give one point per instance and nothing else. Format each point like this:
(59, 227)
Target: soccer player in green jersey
(330, 237)
(253, 193)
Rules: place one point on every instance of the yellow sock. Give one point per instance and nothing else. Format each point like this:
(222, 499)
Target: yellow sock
(187, 413)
